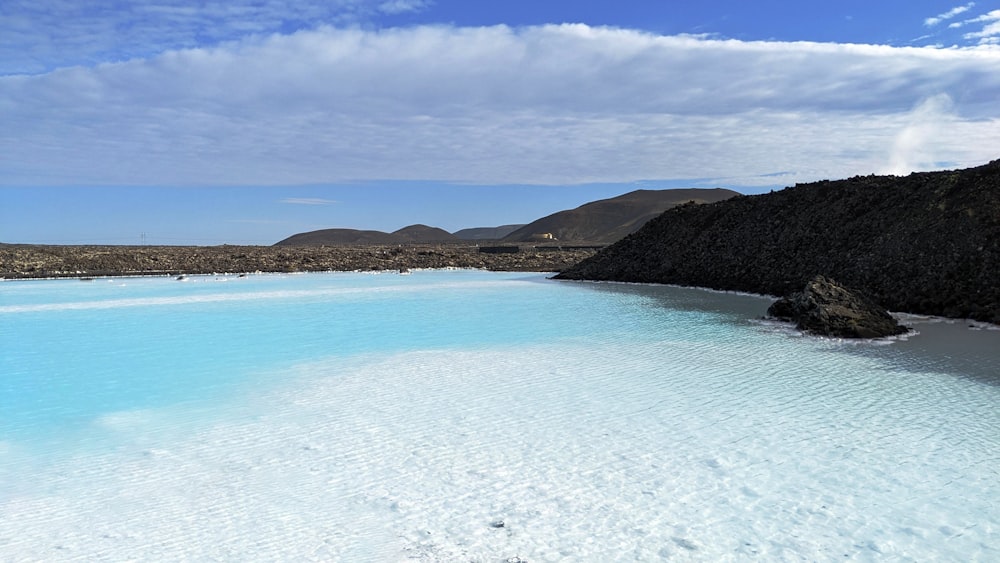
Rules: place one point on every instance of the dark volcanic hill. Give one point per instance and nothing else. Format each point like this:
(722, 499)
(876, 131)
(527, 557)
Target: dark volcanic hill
(338, 237)
(925, 243)
(602, 221)
(411, 234)
(486, 233)
(423, 233)
(608, 220)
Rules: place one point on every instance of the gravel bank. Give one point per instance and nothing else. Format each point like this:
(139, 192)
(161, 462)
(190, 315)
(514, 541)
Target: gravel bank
(19, 261)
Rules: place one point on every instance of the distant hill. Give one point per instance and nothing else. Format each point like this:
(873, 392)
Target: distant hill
(423, 233)
(603, 221)
(338, 236)
(608, 220)
(487, 233)
(926, 243)
(411, 234)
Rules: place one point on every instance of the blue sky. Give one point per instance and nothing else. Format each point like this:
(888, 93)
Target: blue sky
(245, 121)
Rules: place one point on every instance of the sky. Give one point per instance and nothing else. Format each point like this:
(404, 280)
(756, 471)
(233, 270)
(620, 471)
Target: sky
(247, 121)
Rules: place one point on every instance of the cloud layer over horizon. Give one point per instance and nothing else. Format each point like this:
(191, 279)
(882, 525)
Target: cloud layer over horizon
(554, 104)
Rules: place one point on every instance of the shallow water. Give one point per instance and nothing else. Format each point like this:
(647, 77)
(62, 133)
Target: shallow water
(462, 415)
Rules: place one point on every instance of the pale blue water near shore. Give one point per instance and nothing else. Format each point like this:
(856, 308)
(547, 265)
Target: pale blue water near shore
(474, 416)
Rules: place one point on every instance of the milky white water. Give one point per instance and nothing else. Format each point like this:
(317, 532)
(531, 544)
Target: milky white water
(474, 416)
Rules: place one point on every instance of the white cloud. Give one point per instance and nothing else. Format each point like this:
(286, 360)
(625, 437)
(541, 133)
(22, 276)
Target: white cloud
(403, 6)
(39, 35)
(990, 33)
(552, 104)
(957, 10)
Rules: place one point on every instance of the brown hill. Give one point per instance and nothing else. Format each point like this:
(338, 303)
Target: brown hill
(411, 234)
(608, 220)
(602, 221)
(925, 243)
(338, 237)
(486, 233)
(423, 233)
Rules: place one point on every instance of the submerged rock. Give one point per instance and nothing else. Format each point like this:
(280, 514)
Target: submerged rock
(827, 308)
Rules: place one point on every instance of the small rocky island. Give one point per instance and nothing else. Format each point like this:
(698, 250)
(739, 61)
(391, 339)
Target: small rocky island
(827, 308)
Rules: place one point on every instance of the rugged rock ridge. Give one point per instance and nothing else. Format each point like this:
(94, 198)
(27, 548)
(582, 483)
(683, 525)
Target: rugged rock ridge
(925, 243)
(827, 308)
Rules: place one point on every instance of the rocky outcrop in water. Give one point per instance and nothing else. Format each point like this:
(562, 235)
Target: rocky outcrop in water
(925, 243)
(827, 308)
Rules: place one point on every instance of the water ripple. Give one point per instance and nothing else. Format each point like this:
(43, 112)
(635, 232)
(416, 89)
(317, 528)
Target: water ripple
(624, 426)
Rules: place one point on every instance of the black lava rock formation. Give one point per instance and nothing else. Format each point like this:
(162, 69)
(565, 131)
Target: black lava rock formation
(827, 308)
(925, 243)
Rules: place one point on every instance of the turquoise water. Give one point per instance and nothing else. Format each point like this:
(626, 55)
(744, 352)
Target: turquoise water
(465, 415)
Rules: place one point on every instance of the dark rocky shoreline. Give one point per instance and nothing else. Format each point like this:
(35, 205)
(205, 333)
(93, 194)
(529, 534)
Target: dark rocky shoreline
(927, 243)
(19, 261)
